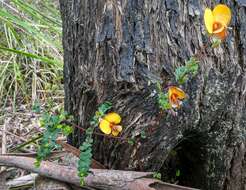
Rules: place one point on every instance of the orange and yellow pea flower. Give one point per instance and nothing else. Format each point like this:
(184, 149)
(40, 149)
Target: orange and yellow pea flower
(217, 21)
(175, 96)
(109, 124)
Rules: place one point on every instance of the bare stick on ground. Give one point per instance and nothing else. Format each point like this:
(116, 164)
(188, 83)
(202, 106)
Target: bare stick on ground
(4, 139)
(99, 179)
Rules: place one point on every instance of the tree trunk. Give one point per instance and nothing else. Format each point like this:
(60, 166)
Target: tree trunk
(116, 50)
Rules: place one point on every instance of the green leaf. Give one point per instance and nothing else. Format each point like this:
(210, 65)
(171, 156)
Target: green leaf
(182, 73)
(60, 126)
(103, 108)
(131, 141)
(143, 135)
(192, 65)
(216, 42)
(89, 131)
(177, 173)
(158, 85)
(37, 163)
(157, 175)
(62, 116)
(67, 130)
(163, 101)
(36, 107)
(30, 55)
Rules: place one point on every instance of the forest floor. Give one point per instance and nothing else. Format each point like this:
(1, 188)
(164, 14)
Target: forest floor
(20, 132)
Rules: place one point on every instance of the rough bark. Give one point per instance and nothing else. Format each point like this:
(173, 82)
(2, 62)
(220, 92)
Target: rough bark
(115, 50)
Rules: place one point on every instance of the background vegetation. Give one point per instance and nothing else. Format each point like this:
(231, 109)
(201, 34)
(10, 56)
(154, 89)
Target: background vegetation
(30, 53)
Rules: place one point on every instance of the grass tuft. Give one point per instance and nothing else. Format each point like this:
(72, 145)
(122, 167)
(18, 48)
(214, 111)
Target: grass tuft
(31, 54)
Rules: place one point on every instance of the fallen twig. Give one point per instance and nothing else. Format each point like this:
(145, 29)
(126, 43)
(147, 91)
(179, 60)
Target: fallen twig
(26, 143)
(99, 179)
(22, 181)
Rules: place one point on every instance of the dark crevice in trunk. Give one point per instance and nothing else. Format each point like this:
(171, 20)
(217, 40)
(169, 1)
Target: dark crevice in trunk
(185, 164)
(238, 44)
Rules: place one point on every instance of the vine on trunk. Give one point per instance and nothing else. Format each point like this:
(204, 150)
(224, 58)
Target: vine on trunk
(216, 22)
(86, 147)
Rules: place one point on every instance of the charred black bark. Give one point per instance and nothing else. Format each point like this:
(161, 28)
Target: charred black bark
(116, 51)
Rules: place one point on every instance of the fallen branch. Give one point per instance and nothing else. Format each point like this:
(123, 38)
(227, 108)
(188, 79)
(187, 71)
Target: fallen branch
(22, 181)
(99, 178)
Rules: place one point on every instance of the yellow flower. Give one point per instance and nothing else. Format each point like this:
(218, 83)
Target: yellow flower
(175, 95)
(216, 21)
(110, 124)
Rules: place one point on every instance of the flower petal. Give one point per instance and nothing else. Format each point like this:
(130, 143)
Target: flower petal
(105, 126)
(209, 20)
(175, 90)
(174, 101)
(221, 35)
(113, 118)
(222, 14)
(118, 128)
(217, 28)
(115, 133)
